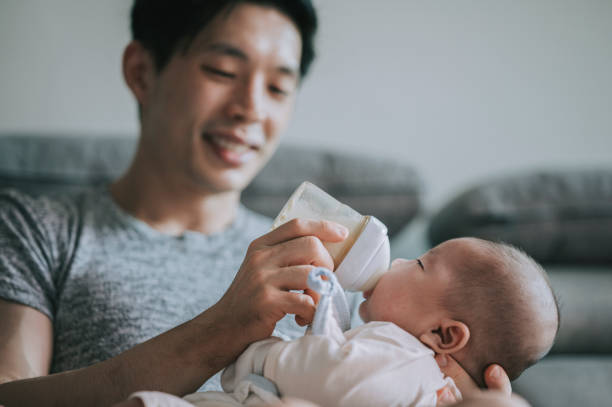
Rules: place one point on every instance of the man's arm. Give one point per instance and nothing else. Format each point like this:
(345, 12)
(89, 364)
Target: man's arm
(171, 362)
(180, 360)
(26, 342)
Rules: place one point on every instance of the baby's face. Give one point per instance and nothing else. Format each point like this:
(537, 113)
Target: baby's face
(410, 293)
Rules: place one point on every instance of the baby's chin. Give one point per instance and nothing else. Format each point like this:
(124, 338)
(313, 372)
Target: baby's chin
(363, 311)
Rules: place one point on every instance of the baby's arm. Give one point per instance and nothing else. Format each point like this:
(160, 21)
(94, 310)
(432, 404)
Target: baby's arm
(304, 368)
(251, 361)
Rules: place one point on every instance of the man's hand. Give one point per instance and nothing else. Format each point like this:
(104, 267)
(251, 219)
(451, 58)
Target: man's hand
(275, 264)
(495, 377)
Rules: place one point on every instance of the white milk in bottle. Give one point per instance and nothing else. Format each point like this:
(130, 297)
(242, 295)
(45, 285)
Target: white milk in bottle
(360, 259)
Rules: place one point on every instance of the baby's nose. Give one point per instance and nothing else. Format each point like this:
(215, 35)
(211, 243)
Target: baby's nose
(398, 261)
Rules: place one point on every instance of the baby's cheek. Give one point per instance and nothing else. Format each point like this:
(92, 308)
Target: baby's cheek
(363, 311)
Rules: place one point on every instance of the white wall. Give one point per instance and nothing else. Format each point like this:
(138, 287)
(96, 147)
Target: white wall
(460, 89)
(60, 66)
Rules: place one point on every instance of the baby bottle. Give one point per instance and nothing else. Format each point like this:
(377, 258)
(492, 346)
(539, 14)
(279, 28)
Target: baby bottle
(363, 256)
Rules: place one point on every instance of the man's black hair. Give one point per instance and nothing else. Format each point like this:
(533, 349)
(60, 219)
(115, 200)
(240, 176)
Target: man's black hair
(165, 27)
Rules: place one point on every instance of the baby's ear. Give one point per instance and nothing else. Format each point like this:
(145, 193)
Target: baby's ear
(449, 336)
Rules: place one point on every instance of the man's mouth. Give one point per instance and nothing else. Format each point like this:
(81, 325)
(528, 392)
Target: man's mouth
(232, 149)
(231, 143)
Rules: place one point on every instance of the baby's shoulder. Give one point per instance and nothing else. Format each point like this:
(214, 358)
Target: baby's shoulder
(390, 334)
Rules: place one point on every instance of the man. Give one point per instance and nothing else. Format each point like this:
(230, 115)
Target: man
(106, 290)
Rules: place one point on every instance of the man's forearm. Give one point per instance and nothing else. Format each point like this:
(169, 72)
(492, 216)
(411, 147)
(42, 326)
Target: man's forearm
(176, 362)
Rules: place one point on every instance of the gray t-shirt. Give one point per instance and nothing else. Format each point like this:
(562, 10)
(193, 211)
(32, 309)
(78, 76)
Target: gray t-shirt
(107, 280)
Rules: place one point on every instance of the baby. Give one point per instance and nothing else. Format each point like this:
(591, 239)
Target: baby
(477, 301)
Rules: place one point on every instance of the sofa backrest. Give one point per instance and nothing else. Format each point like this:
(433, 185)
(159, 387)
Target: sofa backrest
(59, 164)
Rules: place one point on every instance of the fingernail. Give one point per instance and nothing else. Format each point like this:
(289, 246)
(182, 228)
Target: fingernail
(342, 230)
(442, 362)
(496, 372)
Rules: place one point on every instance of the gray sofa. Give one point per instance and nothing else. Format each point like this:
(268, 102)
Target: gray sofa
(579, 369)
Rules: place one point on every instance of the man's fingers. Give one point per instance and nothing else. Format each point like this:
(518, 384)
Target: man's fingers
(301, 305)
(301, 321)
(497, 379)
(291, 278)
(315, 295)
(462, 379)
(325, 230)
(307, 250)
(275, 264)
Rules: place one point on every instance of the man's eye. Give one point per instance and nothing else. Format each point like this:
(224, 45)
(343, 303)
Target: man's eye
(278, 91)
(219, 72)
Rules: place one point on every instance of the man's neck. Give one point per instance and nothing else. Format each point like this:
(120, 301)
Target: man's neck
(174, 209)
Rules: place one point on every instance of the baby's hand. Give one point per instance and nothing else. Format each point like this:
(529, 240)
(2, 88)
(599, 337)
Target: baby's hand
(446, 396)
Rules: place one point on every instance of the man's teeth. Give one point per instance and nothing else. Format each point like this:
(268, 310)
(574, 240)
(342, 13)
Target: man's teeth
(230, 145)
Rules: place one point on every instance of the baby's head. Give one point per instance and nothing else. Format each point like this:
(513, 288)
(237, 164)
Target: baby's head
(480, 302)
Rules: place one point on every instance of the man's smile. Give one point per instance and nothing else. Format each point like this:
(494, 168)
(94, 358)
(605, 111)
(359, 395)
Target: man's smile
(233, 149)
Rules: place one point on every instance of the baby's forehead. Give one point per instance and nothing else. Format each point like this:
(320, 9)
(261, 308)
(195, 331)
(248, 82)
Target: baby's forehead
(462, 247)
(464, 257)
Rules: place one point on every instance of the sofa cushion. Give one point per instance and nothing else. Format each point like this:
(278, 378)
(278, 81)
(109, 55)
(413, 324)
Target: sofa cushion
(563, 216)
(585, 301)
(57, 164)
(567, 381)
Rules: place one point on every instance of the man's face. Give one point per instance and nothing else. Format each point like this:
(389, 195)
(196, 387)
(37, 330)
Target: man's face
(410, 294)
(213, 116)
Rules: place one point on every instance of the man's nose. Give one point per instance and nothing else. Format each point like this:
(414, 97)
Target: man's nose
(249, 100)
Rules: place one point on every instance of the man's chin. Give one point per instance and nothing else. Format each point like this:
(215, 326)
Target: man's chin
(225, 184)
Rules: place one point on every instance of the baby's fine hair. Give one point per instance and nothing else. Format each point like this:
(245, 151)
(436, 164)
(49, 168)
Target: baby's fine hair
(491, 294)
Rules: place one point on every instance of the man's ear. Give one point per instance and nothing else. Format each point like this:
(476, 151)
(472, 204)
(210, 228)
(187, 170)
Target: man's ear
(138, 70)
(449, 336)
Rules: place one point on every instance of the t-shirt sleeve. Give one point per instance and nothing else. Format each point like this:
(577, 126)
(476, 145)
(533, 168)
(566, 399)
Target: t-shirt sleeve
(29, 257)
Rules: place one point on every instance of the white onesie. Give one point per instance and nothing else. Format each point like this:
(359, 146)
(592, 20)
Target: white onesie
(375, 364)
